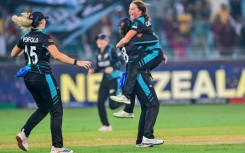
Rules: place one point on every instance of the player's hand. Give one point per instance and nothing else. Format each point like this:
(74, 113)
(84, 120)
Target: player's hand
(90, 71)
(165, 59)
(85, 64)
(109, 70)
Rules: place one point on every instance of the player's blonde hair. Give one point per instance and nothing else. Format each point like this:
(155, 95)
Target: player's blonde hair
(23, 21)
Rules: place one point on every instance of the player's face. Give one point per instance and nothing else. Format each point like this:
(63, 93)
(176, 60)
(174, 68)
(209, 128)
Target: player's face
(101, 43)
(134, 12)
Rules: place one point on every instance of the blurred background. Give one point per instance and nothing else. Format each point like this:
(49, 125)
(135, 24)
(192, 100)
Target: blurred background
(203, 39)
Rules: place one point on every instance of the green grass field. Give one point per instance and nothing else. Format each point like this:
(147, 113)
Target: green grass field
(185, 129)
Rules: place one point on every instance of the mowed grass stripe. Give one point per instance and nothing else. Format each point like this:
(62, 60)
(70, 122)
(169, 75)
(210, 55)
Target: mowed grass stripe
(213, 128)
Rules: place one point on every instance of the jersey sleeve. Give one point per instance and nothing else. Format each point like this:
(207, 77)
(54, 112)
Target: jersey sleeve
(20, 44)
(137, 26)
(117, 59)
(47, 40)
(97, 68)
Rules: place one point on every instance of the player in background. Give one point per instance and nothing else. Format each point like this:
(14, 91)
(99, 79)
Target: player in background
(153, 55)
(109, 62)
(38, 46)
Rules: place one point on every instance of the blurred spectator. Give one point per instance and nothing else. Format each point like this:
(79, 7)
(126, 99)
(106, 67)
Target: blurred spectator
(226, 40)
(216, 26)
(223, 14)
(235, 6)
(242, 40)
(2, 39)
(215, 5)
(183, 26)
(86, 53)
(184, 23)
(115, 18)
(180, 46)
(106, 26)
(200, 31)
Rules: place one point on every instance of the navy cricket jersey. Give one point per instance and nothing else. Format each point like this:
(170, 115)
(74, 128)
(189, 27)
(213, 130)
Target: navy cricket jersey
(35, 44)
(145, 37)
(109, 57)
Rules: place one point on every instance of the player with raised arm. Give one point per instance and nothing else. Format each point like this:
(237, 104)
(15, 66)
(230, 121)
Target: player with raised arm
(153, 55)
(38, 46)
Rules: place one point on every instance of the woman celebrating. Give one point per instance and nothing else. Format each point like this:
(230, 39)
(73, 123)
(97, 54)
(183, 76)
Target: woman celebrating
(38, 46)
(109, 62)
(139, 82)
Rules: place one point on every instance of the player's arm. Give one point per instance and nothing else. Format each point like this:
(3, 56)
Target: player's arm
(66, 59)
(126, 39)
(118, 60)
(16, 51)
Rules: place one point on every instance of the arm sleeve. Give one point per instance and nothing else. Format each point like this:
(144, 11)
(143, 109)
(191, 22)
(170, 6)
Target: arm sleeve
(117, 59)
(98, 68)
(137, 26)
(20, 44)
(47, 40)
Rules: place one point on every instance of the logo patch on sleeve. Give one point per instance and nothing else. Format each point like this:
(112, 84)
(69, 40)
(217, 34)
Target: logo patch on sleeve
(50, 40)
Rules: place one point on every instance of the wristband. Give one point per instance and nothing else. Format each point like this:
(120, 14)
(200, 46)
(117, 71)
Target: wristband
(75, 62)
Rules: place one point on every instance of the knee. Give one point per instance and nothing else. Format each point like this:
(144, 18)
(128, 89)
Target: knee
(43, 110)
(154, 104)
(56, 111)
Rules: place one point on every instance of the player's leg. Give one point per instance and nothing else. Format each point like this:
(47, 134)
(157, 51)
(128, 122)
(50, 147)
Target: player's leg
(52, 96)
(151, 60)
(113, 91)
(102, 97)
(35, 83)
(141, 125)
(149, 97)
(128, 111)
(41, 111)
(147, 60)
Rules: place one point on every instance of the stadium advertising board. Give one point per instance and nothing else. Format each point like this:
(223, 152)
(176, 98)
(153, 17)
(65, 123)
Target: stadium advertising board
(175, 83)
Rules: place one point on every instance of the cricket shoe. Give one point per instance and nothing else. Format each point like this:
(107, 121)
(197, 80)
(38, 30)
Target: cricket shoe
(144, 145)
(22, 140)
(120, 99)
(105, 128)
(60, 150)
(152, 141)
(123, 114)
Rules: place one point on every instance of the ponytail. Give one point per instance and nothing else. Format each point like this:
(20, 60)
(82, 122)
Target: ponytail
(23, 21)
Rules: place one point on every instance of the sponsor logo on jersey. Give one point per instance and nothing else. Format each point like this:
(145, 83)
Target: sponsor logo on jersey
(139, 34)
(104, 63)
(30, 39)
(50, 40)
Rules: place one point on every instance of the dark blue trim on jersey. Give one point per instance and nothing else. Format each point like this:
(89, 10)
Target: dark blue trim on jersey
(143, 85)
(151, 56)
(141, 19)
(52, 87)
(146, 42)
